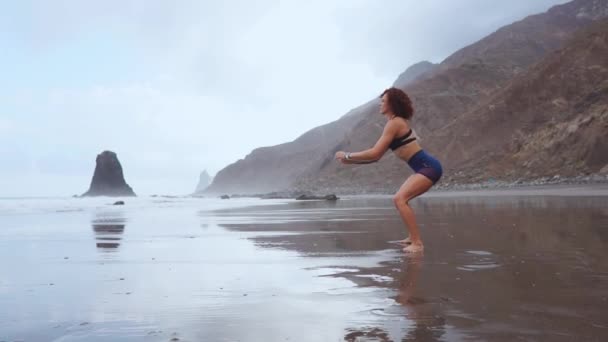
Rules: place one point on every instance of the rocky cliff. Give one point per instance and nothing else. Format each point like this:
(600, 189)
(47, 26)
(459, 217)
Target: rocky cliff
(549, 121)
(413, 73)
(477, 110)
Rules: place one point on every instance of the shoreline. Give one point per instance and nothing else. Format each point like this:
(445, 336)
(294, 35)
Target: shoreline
(544, 183)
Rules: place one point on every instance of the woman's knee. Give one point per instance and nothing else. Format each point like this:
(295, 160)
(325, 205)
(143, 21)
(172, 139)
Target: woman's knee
(401, 199)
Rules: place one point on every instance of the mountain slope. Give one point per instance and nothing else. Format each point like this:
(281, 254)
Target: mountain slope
(443, 95)
(549, 121)
(272, 168)
(443, 98)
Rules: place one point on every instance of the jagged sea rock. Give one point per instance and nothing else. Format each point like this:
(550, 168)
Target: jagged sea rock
(108, 178)
(203, 182)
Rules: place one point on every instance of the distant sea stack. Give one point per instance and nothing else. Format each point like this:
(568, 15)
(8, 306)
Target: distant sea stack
(108, 179)
(203, 182)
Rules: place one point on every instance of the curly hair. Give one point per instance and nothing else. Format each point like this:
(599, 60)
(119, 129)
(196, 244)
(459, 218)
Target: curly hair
(399, 102)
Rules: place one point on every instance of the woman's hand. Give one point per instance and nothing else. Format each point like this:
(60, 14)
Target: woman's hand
(341, 156)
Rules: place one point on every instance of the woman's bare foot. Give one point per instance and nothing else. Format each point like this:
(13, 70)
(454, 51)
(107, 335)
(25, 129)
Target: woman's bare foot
(414, 248)
(406, 241)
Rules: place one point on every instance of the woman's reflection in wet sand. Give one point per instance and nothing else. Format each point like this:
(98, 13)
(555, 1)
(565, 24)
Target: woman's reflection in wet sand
(108, 228)
(427, 324)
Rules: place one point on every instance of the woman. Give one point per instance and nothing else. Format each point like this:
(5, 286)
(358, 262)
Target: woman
(396, 106)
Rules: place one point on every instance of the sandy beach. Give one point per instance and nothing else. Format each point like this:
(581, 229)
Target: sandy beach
(501, 265)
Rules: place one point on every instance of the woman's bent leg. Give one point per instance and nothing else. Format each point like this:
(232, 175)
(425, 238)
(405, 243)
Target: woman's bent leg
(414, 186)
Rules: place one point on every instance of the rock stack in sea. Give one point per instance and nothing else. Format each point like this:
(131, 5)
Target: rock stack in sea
(108, 179)
(203, 182)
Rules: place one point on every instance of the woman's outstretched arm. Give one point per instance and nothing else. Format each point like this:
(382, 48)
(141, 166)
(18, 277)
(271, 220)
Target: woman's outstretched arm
(372, 154)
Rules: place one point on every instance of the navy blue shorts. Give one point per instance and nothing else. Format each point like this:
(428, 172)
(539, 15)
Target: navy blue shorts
(425, 164)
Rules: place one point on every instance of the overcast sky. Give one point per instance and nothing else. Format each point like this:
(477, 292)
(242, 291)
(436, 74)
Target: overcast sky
(175, 87)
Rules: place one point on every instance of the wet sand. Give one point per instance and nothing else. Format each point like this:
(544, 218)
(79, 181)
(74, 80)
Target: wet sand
(526, 264)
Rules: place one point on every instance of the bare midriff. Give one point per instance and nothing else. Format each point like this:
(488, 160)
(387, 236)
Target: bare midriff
(406, 152)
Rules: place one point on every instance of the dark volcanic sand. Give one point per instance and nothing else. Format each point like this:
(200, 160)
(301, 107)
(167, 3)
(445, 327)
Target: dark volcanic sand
(507, 265)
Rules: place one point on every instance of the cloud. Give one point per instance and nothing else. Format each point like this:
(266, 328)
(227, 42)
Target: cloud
(392, 35)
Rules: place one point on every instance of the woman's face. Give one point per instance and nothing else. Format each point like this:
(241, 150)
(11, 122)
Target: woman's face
(384, 108)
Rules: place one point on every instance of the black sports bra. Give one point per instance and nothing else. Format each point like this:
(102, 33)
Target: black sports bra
(404, 140)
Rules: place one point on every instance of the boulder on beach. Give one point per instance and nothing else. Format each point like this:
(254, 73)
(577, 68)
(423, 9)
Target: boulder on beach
(108, 179)
(330, 197)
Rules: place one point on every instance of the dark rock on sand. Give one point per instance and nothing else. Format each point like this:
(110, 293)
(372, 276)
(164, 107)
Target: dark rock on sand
(331, 197)
(119, 203)
(108, 179)
(278, 195)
